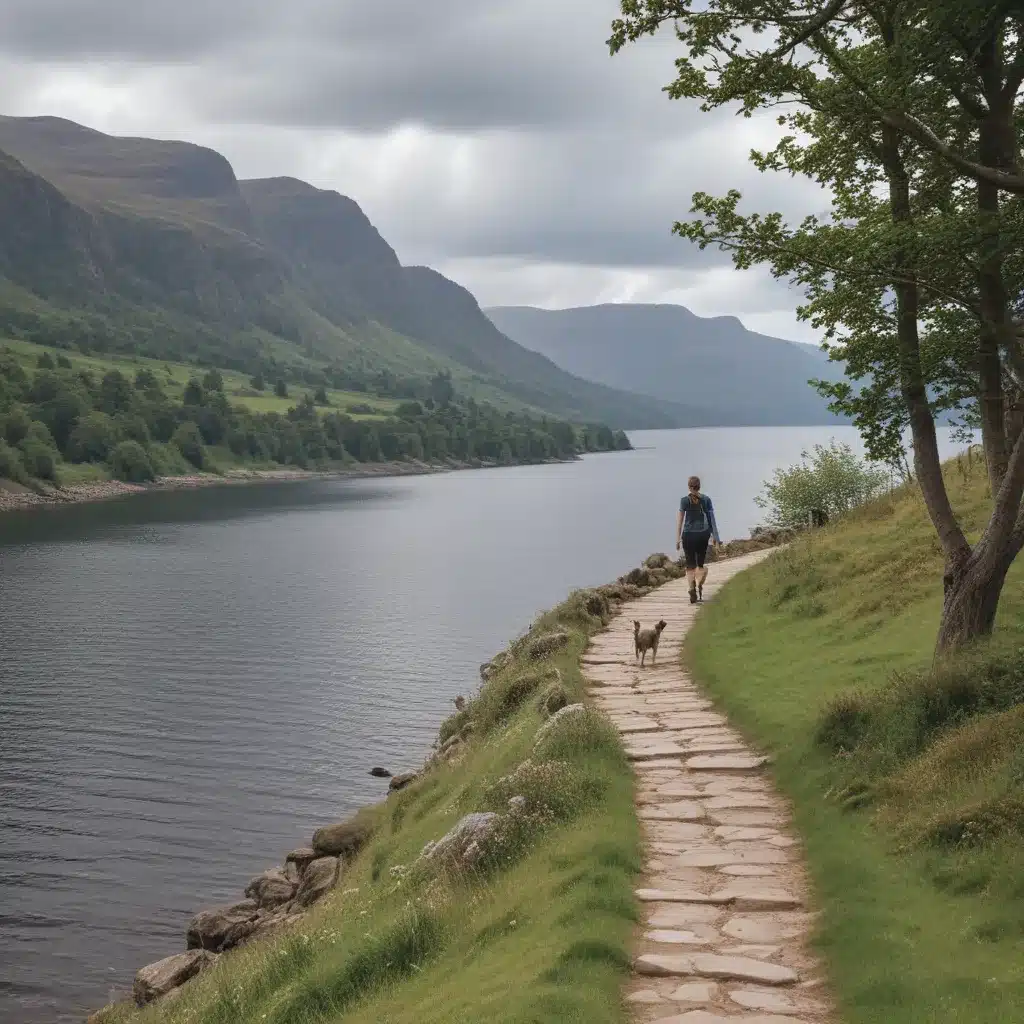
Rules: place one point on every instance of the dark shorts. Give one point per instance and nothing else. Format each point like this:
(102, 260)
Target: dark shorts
(695, 547)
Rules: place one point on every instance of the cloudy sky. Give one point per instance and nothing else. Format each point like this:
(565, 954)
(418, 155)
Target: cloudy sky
(498, 142)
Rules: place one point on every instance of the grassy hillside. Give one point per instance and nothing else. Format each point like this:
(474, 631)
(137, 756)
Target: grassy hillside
(537, 931)
(141, 246)
(907, 782)
(70, 419)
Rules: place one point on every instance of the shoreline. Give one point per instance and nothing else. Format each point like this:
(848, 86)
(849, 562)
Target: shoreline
(19, 498)
(283, 896)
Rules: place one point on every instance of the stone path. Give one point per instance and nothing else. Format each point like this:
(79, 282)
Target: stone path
(724, 917)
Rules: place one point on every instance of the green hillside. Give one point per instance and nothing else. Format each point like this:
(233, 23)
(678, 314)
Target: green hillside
(907, 780)
(137, 246)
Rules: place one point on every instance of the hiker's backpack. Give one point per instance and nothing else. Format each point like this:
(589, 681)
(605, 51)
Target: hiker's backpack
(695, 518)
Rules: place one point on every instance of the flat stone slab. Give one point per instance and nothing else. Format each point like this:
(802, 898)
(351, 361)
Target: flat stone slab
(680, 810)
(707, 1017)
(726, 762)
(752, 896)
(694, 992)
(748, 870)
(720, 857)
(681, 896)
(763, 999)
(636, 723)
(764, 928)
(651, 751)
(699, 936)
(712, 965)
(683, 915)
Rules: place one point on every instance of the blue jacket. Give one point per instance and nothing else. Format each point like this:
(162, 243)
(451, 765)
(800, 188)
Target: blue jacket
(700, 517)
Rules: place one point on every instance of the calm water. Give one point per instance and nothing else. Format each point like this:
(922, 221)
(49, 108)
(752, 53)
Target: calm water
(190, 682)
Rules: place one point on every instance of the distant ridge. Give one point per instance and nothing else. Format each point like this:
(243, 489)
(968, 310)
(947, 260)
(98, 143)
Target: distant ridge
(737, 376)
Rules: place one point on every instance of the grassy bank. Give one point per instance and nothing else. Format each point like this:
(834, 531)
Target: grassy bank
(536, 930)
(907, 782)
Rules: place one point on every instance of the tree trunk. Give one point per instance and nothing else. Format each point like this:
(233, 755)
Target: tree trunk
(971, 599)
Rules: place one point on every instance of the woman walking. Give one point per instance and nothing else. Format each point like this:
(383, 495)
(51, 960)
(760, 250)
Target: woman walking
(695, 527)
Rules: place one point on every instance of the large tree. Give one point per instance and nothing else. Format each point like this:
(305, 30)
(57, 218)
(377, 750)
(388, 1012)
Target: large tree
(910, 114)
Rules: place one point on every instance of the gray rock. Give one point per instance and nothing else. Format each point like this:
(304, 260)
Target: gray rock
(547, 644)
(344, 839)
(401, 781)
(301, 857)
(293, 872)
(559, 716)
(272, 888)
(465, 838)
(318, 879)
(380, 773)
(156, 980)
(209, 928)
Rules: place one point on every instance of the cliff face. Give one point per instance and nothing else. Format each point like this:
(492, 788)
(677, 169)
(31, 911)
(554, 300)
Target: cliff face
(163, 242)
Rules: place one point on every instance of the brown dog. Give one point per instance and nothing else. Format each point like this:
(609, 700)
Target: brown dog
(645, 640)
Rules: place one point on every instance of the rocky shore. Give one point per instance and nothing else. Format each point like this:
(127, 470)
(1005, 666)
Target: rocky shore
(281, 896)
(14, 497)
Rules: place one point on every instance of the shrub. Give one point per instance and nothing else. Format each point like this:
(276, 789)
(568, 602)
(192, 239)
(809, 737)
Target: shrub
(844, 723)
(831, 479)
(16, 425)
(129, 462)
(167, 460)
(93, 439)
(39, 454)
(189, 442)
(580, 735)
(504, 694)
(11, 467)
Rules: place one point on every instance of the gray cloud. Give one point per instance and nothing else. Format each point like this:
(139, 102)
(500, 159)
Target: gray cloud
(474, 135)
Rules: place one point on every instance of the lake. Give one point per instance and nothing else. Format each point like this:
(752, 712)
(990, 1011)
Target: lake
(190, 682)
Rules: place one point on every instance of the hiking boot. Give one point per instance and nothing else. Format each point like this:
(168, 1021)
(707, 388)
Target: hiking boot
(693, 595)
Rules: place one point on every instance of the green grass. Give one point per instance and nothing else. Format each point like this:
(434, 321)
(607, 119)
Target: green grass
(906, 781)
(539, 931)
(174, 377)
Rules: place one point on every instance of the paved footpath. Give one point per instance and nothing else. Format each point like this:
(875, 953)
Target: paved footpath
(724, 919)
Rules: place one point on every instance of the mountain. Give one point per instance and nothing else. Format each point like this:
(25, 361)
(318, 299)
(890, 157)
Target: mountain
(742, 377)
(140, 245)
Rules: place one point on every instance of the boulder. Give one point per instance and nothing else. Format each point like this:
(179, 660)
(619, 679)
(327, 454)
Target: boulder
(547, 644)
(156, 980)
(659, 561)
(495, 665)
(209, 928)
(271, 889)
(293, 872)
(401, 781)
(461, 847)
(318, 879)
(559, 716)
(268, 926)
(345, 839)
(301, 857)
(380, 773)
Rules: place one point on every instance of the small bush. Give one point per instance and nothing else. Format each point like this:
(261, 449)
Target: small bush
(555, 789)
(188, 440)
(93, 439)
(167, 460)
(39, 454)
(580, 735)
(844, 723)
(11, 467)
(129, 462)
(828, 479)
(503, 695)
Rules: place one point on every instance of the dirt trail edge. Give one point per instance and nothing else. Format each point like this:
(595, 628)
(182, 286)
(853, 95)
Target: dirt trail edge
(724, 920)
